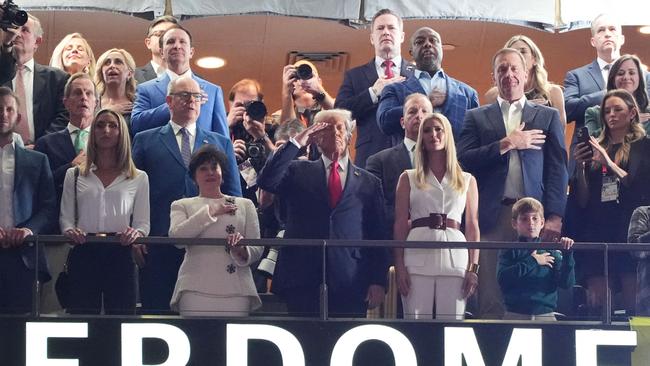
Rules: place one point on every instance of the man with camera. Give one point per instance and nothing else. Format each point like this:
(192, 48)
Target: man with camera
(39, 88)
(303, 94)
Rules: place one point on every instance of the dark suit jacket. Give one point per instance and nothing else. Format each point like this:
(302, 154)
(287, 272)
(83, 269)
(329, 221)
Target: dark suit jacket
(156, 152)
(49, 112)
(584, 87)
(544, 171)
(150, 109)
(144, 73)
(460, 98)
(302, 186)
(388, 165)
(60, 152)
(355, 97)
(34, 203)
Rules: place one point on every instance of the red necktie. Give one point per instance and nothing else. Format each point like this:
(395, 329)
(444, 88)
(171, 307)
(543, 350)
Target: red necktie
(388, 69)
(334, 183)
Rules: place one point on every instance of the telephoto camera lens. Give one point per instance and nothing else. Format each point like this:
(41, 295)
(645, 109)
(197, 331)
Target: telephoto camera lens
(304, 72)
(256, 110)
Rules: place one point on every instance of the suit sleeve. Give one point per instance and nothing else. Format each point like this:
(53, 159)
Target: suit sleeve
(7, 67)
(184, 225)
(146, 116)
(575, 103)
(231, 183)
(639, 230)
(137, 151)
(219, 121)
(44, 216)
(378, 257)
(390, 111)
(359, 103)
(61, 116)
(556, 177)
(472, 155)
(275, 173)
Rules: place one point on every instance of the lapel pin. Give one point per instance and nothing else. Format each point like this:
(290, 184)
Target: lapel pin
(356, 172)
(205, 141)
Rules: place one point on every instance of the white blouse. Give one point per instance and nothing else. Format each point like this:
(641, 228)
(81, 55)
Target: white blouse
(106, 209)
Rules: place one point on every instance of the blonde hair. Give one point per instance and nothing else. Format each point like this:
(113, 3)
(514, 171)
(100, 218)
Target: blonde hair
(128, 61)
(527, 205)
(422, 157)
(634, 133)
(122, 151)
(539, 77)
(57, 55)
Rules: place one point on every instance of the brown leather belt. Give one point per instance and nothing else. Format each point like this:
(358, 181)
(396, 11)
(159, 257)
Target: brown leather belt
(435, 221)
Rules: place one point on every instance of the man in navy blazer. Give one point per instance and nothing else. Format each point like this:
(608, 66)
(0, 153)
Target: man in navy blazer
(329, 198)
(363, 85)
(158, 152)
(27, 207)
(150, 109)
(156, 67)
(390, 163)
(514, 149)
(448, 96)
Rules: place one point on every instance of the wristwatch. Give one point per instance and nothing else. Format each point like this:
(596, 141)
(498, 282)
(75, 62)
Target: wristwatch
(320, 97)
(473, 267)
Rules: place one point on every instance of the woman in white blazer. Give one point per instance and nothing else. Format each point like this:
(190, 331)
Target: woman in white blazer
(214, 280)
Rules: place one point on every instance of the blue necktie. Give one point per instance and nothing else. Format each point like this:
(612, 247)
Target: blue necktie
(186, 152)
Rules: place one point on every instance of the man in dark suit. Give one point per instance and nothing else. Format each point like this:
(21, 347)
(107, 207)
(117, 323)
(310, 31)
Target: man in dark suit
(27, 207)
(363, 85)
(514, 149)
(150, 109)
(156, 67)
(162, 153)
(41, 92)
(585, 86)
(329, 198)
(389, 164)
(448, 96)
(67, 148)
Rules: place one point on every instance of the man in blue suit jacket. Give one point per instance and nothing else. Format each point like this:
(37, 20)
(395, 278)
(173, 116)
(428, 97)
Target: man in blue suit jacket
(150, 109)
(363, 85)
(356, 276)
(448, 96)
(522, 155)
(158, 152)
(27, 207)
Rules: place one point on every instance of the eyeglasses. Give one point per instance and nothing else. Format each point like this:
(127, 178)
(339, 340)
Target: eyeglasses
(196, 97)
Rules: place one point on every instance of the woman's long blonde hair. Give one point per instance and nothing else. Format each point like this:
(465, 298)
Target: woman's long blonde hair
(634, 133)
(130, 82)
(122, 150)
(539, 77)
(57, 55)
(422, 157)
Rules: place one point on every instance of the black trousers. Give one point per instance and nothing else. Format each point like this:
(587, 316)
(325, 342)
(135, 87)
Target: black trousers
(16, 283)
(101, 270)
(158, 278)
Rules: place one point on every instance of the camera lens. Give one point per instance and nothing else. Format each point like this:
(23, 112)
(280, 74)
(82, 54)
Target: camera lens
(256, 110)
(304, 72)
(254, 151)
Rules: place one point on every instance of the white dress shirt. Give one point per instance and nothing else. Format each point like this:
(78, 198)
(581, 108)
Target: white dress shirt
(106, 209)
(28, 79)
(191, 130)
(514, 187)
(604, 70)
(73, 130)
(381, 71)
(343, 169)
(173, 76)
(7, 173)
(158, 69)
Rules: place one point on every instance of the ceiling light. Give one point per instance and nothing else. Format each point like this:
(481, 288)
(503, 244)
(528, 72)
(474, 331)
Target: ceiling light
(448, 47)
(644, 29)
(210, 62)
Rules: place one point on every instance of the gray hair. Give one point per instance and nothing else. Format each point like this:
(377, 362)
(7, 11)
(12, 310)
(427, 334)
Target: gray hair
(343, 114)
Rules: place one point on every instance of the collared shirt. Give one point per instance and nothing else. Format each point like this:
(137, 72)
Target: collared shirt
(28, 79)
(397, 67)
(7, 174)
(511, 113)
(74, 130)
(106, 209)
(191, 129)
(173, 76)
(343, 168)
(158, 69)
(604, 71)
(437, 82)
(410, 147)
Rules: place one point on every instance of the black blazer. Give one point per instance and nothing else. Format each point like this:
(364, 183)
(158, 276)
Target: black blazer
(144, 73)
(60, 152)
(49, 112)
(388, 165)
(355, 97)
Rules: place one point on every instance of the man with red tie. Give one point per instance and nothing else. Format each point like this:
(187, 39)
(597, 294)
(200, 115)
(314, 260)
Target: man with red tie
(363, 85)
(329, 198)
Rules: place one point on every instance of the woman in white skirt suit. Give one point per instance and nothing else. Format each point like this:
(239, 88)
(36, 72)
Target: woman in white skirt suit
(214, 280)
(429, 205)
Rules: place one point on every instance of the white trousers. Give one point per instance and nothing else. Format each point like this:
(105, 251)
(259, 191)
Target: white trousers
(196, 304)
(445, 292)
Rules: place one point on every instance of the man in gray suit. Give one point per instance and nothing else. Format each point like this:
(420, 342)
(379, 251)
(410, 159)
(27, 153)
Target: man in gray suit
(156, 67)
(389, 164)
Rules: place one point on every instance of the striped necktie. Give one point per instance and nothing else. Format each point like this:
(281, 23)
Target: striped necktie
(186, 151)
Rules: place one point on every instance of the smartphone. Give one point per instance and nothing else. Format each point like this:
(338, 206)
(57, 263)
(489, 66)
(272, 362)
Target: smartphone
(583, 137)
